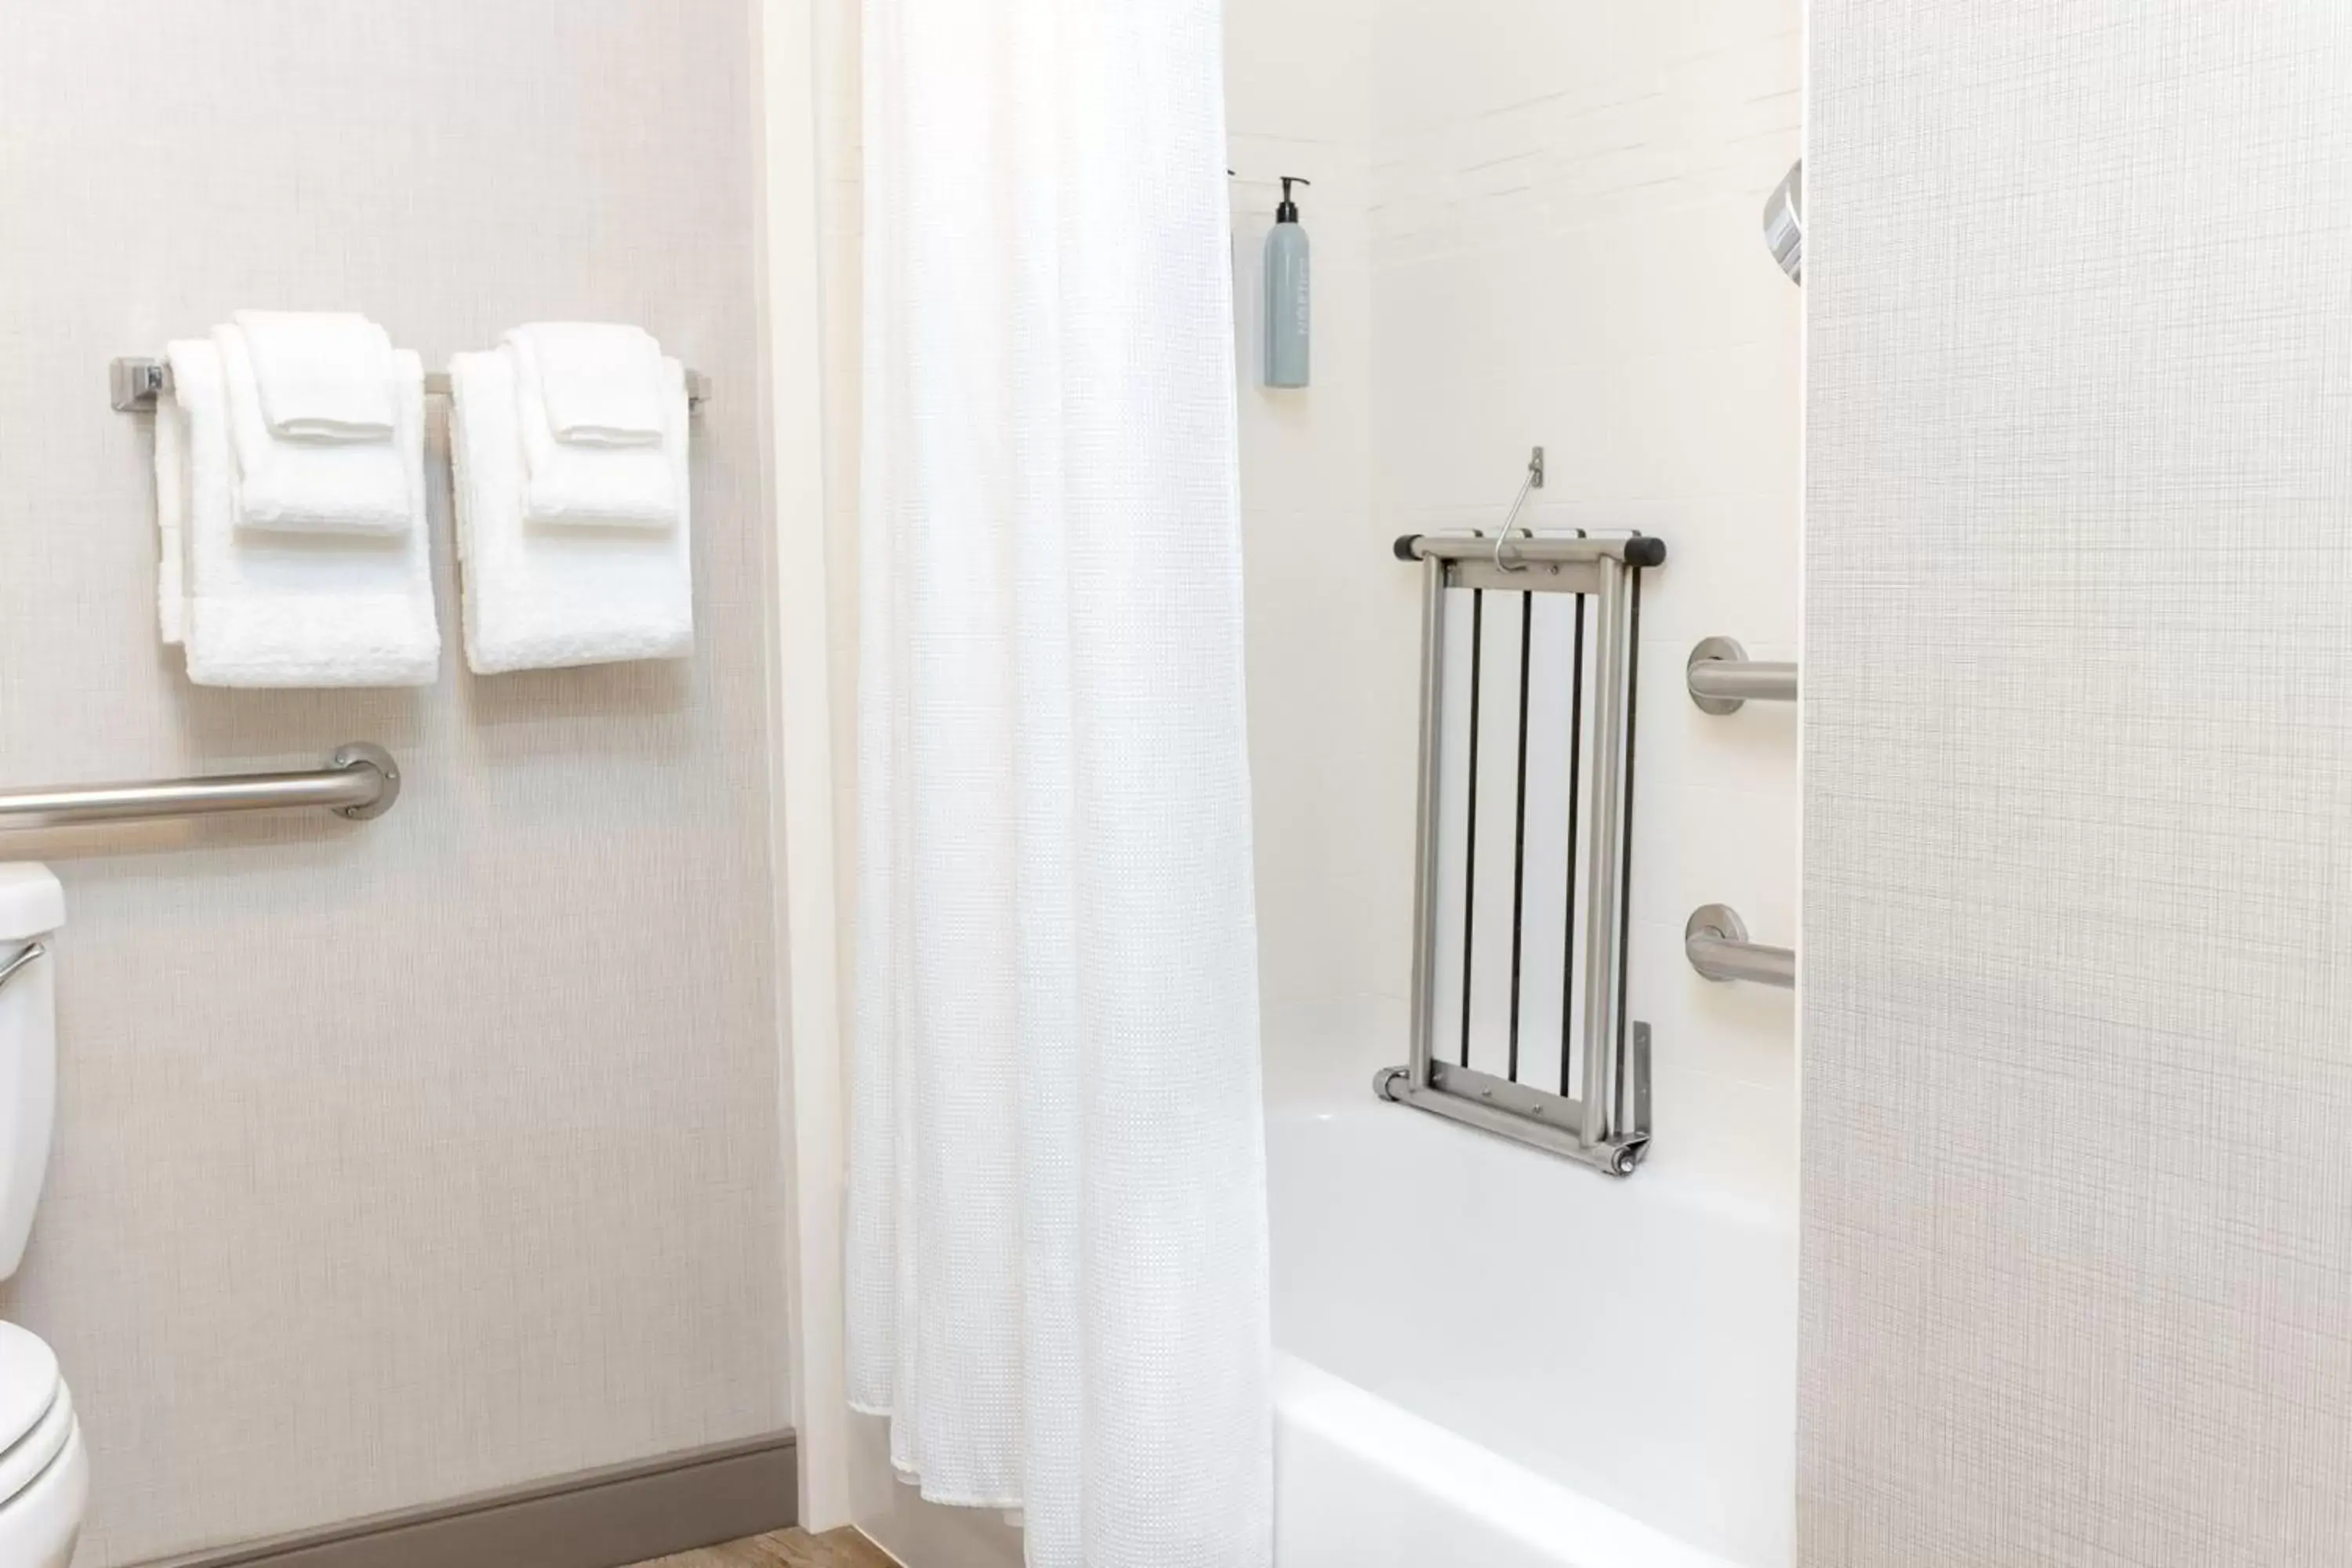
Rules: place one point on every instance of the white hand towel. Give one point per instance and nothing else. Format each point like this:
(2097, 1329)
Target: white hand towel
(600, 384)
(539, 596)
(306, 487)
(285, 609)
(324, 375)
(171, 517)
(582, 483)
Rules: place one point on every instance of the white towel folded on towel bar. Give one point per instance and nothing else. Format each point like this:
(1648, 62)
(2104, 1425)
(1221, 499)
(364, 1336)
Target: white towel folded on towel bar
(592, 478)
(171, 517)
(601, 383)
(301, 486)
(543, 595)
(287, 609)
(323, 375)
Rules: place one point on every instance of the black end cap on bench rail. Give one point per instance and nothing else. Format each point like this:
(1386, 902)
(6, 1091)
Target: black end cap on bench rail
(1406, 547)
(1645, 551)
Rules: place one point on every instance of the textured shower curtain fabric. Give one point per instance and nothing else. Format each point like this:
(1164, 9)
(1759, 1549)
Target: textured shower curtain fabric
(1057, 1255)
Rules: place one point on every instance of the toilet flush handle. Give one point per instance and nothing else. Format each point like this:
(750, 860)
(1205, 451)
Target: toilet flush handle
(23, 955)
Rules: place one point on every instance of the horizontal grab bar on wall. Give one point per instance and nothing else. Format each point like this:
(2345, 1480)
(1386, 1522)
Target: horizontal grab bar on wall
(1716, 942)
(1722, 678)
(360, 780)
(133, 384)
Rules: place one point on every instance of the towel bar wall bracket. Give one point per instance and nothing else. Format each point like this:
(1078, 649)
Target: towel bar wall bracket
(359, 755)
(134, 383)
(360, 780)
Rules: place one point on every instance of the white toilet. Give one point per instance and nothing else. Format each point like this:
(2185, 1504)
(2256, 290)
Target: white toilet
(44, 1471)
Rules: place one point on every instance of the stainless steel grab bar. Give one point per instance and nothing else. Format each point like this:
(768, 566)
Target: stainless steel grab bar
(360, 780)
(1716, 942)
(1722, 677)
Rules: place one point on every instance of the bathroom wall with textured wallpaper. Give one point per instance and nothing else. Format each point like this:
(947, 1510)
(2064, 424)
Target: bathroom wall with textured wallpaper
(2077, 1248)
(412, 1159)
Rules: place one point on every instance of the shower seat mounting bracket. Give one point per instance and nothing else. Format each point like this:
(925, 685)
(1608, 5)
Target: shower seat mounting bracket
(1531, 1115)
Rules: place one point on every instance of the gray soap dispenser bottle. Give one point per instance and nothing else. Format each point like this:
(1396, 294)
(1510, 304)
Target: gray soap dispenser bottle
(1287, 293)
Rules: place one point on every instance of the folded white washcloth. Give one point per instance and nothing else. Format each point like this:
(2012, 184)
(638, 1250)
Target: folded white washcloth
(324, 375)
(291, 609)
(540, 596)
(581, 482)
(303, 486)
(601, 383)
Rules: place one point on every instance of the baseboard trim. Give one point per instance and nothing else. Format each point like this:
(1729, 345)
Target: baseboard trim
(597, 1519)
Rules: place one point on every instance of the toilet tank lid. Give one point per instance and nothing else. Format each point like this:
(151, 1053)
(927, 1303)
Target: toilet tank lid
(31, 900)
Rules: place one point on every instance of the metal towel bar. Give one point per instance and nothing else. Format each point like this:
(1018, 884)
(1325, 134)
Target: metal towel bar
(1722, 678)
(133, 384)
(360, 780)
(1716, 942)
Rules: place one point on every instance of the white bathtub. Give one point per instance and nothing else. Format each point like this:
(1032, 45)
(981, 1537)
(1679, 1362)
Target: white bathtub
(1492, 1358)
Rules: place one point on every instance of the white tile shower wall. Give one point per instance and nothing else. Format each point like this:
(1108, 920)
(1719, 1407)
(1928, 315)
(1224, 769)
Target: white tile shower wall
(404, 1159)
(1297, 79)
(2078, 775)
(1562, 207)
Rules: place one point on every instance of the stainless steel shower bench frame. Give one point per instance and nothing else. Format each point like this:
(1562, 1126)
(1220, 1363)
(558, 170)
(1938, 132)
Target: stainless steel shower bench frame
(1606, 1125)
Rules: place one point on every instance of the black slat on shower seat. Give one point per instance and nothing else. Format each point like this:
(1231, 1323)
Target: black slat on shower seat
(1519, 830)
(1575, 783)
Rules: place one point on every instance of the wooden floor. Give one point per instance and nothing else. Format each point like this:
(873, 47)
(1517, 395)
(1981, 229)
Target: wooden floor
(785, 1549)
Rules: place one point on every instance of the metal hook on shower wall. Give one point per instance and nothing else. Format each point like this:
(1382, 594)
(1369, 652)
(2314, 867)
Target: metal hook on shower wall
(1534, 481)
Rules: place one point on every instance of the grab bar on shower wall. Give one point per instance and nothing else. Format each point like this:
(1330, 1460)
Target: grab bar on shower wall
(360, 780)
(1716, 942)
(1722, 677)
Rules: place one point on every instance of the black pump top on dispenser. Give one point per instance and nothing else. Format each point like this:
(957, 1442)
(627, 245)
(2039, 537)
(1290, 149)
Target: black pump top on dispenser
(1288, 212)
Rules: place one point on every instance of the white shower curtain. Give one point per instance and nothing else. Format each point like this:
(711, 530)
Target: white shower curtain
(1058, 1265)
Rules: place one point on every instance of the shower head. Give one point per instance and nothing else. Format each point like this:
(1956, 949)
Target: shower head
(1784, 221)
